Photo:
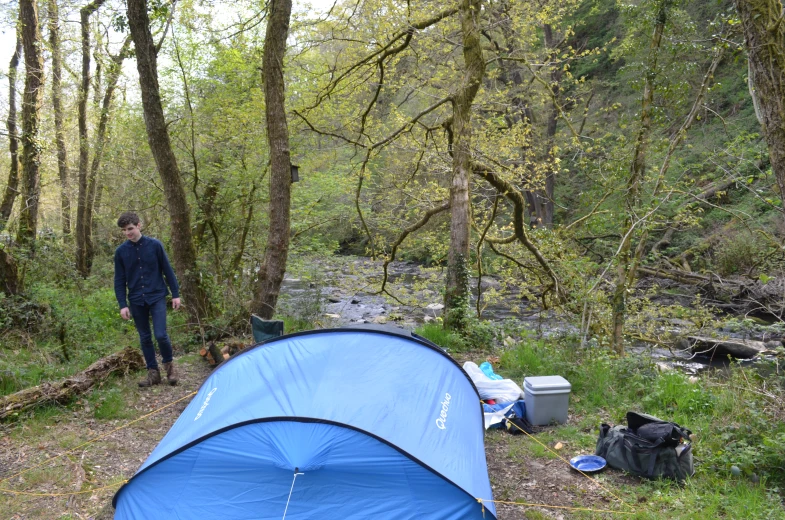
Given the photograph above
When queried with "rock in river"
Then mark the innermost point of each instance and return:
(734, 347)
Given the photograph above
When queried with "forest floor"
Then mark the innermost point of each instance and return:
(517, 474)
(527, 470)
(114, 456)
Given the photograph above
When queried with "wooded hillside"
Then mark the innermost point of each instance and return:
(557, 145)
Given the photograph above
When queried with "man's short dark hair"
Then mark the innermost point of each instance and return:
(129, 217)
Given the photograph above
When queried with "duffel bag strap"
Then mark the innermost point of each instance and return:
(631, 457)
(655, 452)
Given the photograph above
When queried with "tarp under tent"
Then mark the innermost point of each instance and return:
(327, 424)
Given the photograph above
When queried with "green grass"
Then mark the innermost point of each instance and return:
(293, 324)
(111, 404)
(74, 326)
(38, 422)
(736, 416)
(446, 339)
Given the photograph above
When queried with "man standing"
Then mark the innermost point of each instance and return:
(140, 265)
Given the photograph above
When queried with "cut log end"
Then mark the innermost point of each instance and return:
(215, 355)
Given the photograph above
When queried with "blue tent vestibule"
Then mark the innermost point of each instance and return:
(325, 424)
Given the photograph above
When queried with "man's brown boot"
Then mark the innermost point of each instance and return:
(171, 375)
(153, 378)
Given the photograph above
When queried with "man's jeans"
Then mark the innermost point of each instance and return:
(142, 314)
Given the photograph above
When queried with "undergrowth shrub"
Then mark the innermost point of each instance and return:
(477, 335)
(739, 253)
(20, 312)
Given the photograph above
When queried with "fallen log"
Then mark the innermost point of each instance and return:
(732, 294)
(679, 276)
(127, 360)
(723, 347)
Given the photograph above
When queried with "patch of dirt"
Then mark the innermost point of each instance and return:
(110, 459)
(517, 476)
(117, 454)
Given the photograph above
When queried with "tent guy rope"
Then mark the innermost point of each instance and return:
(588, 509)
(94, 439)
(290, 493)
(482, 500)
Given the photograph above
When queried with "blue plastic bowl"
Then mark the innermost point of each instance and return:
(588, 463)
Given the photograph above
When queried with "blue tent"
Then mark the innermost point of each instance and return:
(327, 424)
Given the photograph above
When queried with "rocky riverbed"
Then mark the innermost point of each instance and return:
(346, 290)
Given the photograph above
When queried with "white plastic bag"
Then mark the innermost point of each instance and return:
(492, 418)
(502, 391)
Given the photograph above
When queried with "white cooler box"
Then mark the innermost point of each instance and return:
(547, 398)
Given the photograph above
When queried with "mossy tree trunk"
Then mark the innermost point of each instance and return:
(763, 22)
(12, 187)
(82, 218)
(271, 273)
(184, 253)
(57, 106)
(31, 114)
(9, 274)
(456, 299)
(101, 137)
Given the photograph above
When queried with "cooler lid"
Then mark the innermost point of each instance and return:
(546, 383)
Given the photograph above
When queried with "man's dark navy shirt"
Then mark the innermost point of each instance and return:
(141, 267)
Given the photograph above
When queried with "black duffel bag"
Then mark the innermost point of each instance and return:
(647, 447)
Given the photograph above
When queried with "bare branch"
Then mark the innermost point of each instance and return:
(479, 252)
(384, 51)
(330, 134)
(411, 122)
(405, 233)
(519, 203)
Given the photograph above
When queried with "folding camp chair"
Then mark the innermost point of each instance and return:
(265, 329)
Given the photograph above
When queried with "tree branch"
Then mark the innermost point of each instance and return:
(405, 233)
(519, 203)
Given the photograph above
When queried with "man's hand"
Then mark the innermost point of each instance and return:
(175, 303)
(125, 313)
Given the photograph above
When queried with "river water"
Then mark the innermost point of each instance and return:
(343, 291)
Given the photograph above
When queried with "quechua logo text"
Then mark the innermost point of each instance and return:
(441, 421)
(204, 405)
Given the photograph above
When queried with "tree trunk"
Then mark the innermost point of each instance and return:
(57, 105)
(238, 256)
(12, 188)
(183, 250)
(9, 274)
(115, 69)
(546, 194)
(625, 270)
(31, 107)
(207, 204)
(764, 33)
(456, 298)
(273, 267)
(82, 219)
